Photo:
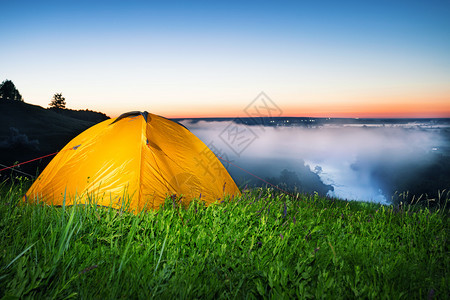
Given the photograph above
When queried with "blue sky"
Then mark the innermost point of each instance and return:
(327, 58)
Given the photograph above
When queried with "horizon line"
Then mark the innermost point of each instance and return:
(332, 115)
(310, 117)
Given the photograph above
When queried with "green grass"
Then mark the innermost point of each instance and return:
(262, 245)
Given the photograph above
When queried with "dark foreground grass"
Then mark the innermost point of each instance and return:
(264, 244)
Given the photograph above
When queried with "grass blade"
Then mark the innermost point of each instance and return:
(20, 255)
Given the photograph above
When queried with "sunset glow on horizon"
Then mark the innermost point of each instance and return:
(199, 59)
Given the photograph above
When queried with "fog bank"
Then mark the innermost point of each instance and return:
(349, 162)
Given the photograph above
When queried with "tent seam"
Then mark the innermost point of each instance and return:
(140, 164)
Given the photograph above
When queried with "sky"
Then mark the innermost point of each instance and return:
(213, 59)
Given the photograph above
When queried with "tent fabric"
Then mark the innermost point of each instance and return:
(139, 158)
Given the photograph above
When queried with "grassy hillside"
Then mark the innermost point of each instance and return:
(29, 131)
(263, 244)
(37, 122)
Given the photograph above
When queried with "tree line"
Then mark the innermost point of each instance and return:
(8, 91)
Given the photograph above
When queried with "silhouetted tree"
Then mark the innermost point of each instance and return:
(58, 101)
(8, 91)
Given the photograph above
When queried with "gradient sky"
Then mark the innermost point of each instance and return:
(207, 58)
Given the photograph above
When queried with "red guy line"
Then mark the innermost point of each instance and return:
(28, 161)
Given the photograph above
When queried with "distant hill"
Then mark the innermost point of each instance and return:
(28, 131)
(84, 115)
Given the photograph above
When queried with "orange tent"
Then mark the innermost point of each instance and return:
(139, 158)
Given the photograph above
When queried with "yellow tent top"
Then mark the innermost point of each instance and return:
(138, 157)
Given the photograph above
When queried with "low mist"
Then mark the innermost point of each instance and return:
(17, 140)
(348, 162)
